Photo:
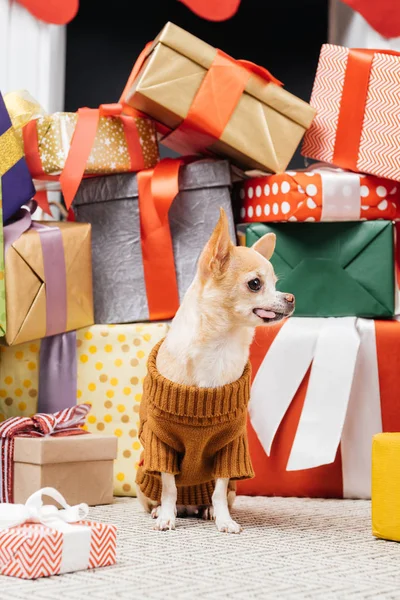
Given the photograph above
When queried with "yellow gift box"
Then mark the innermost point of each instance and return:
(111, 366)
(386, 486)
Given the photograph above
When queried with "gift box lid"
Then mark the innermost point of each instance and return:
(74, 448)
(201, 174)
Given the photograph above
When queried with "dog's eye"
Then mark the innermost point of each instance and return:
(254, 285)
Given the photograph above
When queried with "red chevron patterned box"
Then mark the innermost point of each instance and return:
(357, 97)
(31, 550)
(322, 193)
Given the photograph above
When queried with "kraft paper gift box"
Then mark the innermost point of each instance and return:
(68, 146)
(319, 193)
(356, 96)
(138, 272)
(81, 467)
(321, 389)
(16, 183)
(48, 281)
(33, 545)
(210, 101)
(109, 363)
(386, 486)
(335, 269)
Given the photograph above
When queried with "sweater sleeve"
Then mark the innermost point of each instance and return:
(158, 456)
(233, 460)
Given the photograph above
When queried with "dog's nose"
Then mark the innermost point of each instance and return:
(289, 298)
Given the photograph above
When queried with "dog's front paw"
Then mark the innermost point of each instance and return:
(165, 521)
(228, 526)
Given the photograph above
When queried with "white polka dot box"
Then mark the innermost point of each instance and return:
(322, 193)
(111, 366)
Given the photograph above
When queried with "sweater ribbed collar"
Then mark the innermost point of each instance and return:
(192, 401)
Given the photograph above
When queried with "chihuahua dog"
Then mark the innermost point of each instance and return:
(209, 340)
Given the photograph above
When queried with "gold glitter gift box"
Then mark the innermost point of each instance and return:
(111, 366)
(110, 153)
(121, 143)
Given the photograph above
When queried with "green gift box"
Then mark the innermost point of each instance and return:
(334, 269)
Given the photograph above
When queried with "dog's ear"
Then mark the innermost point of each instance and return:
(216, 254)
(265, 245)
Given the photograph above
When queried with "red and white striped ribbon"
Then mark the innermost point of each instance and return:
(63, 423)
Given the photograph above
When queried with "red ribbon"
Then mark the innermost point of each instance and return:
(352, 106)
(81, 146)
(158, 188)
(64, 423)
(213, 104)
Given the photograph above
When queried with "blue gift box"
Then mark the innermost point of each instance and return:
(17, 184)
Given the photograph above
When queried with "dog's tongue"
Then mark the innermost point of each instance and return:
(265, 314)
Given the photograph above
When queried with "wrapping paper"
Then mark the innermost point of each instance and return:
(80, 468)
(16, 182)
(321, 389)
(111, 206)
(26, 291)
(2, 278)
(36, 542)
(385, 486)
(335, 269)
(321, 193)
(356, 97)
(262, 130)
(110, 150)
(111, 366)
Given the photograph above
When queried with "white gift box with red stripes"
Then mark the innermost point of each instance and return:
(39, 541)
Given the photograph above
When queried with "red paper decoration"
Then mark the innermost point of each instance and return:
(213, 10)
(59, 12)
(383, 16)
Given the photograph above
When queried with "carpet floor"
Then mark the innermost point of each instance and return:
(291, 548)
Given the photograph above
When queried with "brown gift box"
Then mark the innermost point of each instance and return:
(79, 467)
(266, 126)
(26, 286)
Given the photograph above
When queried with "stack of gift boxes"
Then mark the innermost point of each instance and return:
(85, 301)
(326, 381)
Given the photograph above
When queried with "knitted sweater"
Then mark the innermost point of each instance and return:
(197, 434)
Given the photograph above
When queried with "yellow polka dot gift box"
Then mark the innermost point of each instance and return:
(385, 493)
(111, 363)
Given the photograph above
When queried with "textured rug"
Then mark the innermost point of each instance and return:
(290, 548)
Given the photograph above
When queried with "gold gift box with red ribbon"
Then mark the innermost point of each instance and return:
(204, 100)
(356, 95)
(70, 146)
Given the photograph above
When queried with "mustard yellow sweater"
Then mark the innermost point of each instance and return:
(197, 434)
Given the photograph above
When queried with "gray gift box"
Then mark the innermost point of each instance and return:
(110, 204)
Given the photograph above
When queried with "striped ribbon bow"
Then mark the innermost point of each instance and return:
(63, 423)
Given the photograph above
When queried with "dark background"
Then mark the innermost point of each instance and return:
(283, 35)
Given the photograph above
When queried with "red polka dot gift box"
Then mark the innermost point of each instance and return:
(320, 193)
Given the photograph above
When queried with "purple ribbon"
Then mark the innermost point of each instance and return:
(55, 275)
(58, 370)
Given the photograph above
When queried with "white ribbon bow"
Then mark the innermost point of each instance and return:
(35, 511)
(342, 404)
